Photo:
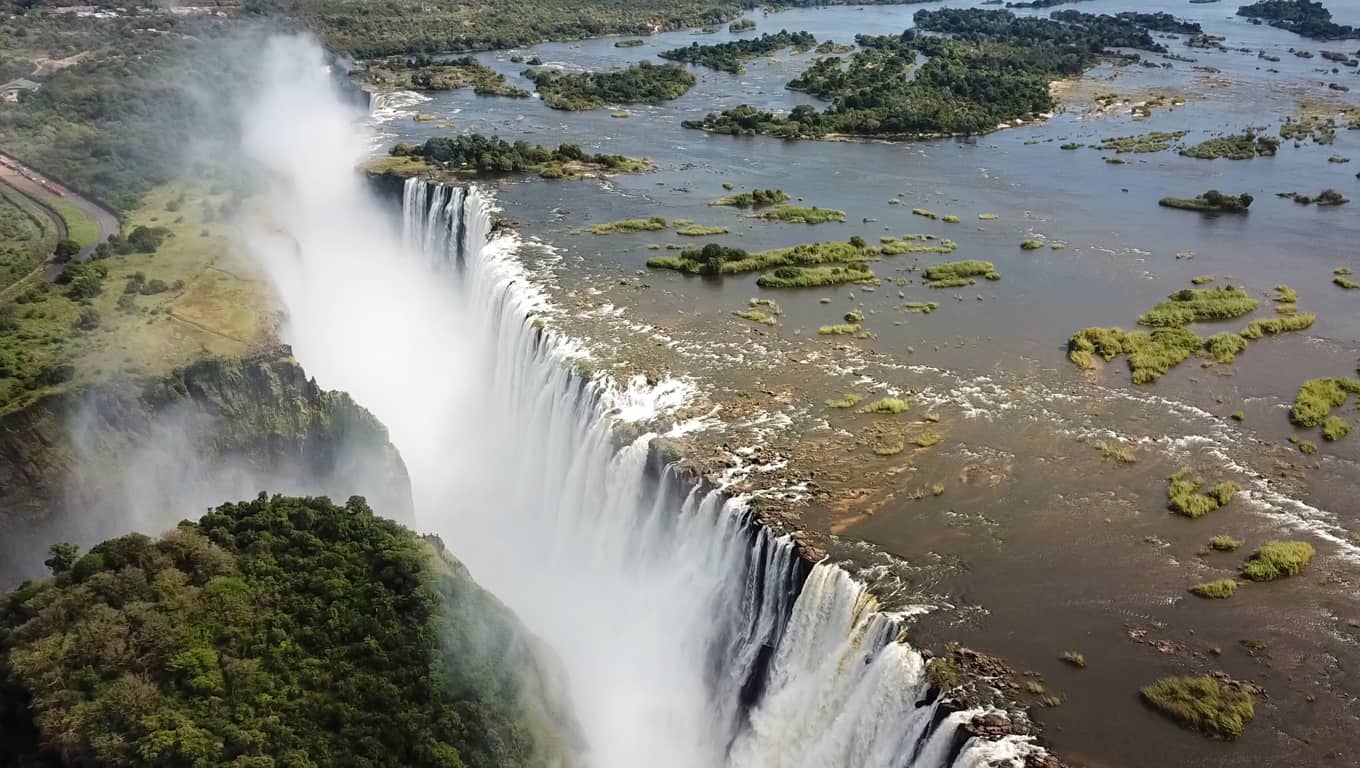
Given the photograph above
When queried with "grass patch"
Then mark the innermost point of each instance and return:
(1123, 454)
(1225, 347)
(949, 218)
(698, 230)
(1202, 704)
(1345, 282)
(80, 226)
(924, 307)
(927, 439)
(1155, 141)
(798, 214)
(911, 243)
(1202, 279)
(1183, 494)
(1224, 543)
(850, 400)
(1238, 416)
(840, 329)
(1334, 428)
(987, 216)
(715, 259)
(892, 405)
(1221, 589)
(923, 212)
(1150, 355)
(1317, 397)
(1277, 325)
(756, 197)
(956, 273)
(652, 224)
(1031, 245)
(756, 316)
(1307, 447)
(1278, 560)
(1285, 295)
(1074, 658)
(1192, 305)
(813, 277)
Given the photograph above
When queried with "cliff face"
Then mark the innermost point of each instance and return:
(135, 455)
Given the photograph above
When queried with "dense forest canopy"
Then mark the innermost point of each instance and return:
(281, 631)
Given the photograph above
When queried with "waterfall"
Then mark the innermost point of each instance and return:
(693, 636)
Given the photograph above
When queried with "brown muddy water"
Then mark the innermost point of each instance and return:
(1036, 542)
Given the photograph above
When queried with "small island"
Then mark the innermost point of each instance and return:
(730, 57)
(422, 73)
(473, 154)
(1212, 201)
(1307, 18)
(1239, 146)
(993, 70)
(642, 83)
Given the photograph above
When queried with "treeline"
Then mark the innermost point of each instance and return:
(1162, 22)
(995, 70)
(493, 154)
(1308, 18)
(642, 83)
(281, 631)
(422, 73)
(732, 56)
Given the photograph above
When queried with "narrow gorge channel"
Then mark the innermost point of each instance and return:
(690, 636)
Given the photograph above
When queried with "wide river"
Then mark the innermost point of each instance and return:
(1044, 545)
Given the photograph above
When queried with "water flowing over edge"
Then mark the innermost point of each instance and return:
(795, 662)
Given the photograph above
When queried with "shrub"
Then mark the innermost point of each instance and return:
(1185, 499)
(1317, 397)
(1073, 658)
(1224, 543)
(1276, 325)
(1199, 305)
(886, 405)
(1202, 704)
(1278, 560)
(850, 400)
(952, 271)
(1221, 589)
(1335, 428)
(1225, 347)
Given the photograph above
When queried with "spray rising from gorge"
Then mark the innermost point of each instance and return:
(691, 636)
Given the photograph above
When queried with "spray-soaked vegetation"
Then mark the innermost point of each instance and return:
(278, 631)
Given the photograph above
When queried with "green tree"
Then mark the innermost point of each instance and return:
(63, 556)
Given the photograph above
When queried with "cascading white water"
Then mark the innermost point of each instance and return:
(692, 637)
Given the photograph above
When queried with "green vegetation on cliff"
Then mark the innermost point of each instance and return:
(28, 236)
(642, 83)
(282, 631)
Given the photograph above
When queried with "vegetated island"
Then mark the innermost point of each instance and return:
(642, 83)
(800, 266)
(1324, 198)
(993, 70)
(1303, 17)
(1171, 342)
(476, 155)
(422, 73)
(732, 56)
(1240, 146)
(288, 631)
(1212, 201)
